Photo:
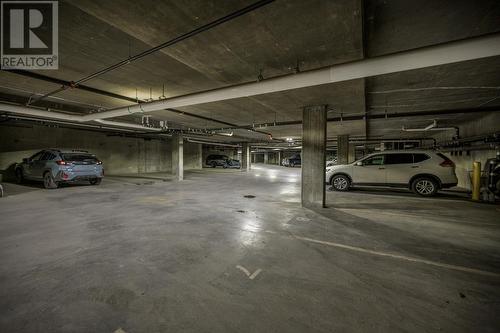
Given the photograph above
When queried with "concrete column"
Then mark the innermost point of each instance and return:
(352, 153)
(178, 156)
(245, 156)
(266, 157)
(313, 156)
(342, 149)
(279, 158)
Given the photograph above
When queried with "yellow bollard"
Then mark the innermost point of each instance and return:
(476, 180)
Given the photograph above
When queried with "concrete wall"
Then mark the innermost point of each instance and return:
(120, 155)
(192, 156)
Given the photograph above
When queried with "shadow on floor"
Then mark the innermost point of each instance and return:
(456, 194)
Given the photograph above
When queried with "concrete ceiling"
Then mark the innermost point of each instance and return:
(271, 41)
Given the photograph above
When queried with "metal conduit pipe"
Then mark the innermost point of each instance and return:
(127, 125)
(433, 127)
(157, 48)
(212, 143)
(66, 117)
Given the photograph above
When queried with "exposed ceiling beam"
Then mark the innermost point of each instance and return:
(458, 51)
(370, 116)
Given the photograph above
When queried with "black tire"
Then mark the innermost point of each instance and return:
(214, 164)
(340, 183)
(224, 166)
(49, 182)
(19, 176)
(292, 164)
(425, 186)
(95, 181)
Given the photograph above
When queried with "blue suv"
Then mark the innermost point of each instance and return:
(56, 166)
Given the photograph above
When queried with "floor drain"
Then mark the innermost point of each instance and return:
(249, 196)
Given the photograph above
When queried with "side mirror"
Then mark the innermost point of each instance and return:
(26, 160)
(359, 163)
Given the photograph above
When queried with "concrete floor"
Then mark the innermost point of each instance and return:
(154, 255)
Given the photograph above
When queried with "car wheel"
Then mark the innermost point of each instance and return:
(95, 181)
(341, 183)
(19, 175)
(49, 182)
(214, 164)
(224, 166)
(292, 164)
(424, 186)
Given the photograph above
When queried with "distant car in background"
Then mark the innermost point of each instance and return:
(422, 171)
(56, 166)
(292, 161)
(330, 163)
(232, 164)
(216, 160)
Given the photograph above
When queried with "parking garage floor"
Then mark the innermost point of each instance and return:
(227, 251)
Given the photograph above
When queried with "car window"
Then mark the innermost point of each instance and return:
(417, 158)
(374, 160)
(37, 156)
(403, 158)
(47, 156)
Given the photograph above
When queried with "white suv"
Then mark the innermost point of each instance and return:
(423, 171)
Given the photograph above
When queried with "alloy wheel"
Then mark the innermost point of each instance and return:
(424, 187)
(340, 183)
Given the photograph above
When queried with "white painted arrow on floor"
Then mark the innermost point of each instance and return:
(247, 273)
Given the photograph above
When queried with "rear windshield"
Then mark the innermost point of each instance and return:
(89, 158)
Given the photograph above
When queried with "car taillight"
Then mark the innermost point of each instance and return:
(62, 163)
(447, 163)
(98, 162)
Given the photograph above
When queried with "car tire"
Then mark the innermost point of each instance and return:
(213, 164)
(341, 183)
(224, 166)
(19, 176)
(424, 186)
(95, 181)
(49, 182)
(292, 164)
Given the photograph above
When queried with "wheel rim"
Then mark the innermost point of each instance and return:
(340, 183)
(424, 187)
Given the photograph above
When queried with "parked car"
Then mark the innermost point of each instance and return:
(331, 163)
(56, 166)
(216, 160)
(424, 172)
(232, 164)
(292, 161)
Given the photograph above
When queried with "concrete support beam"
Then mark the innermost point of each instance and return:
(352, 153)
(313, 156)
(266, 158)
(342, 149)
(245, 156)
(279, 158)
(178, 156)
